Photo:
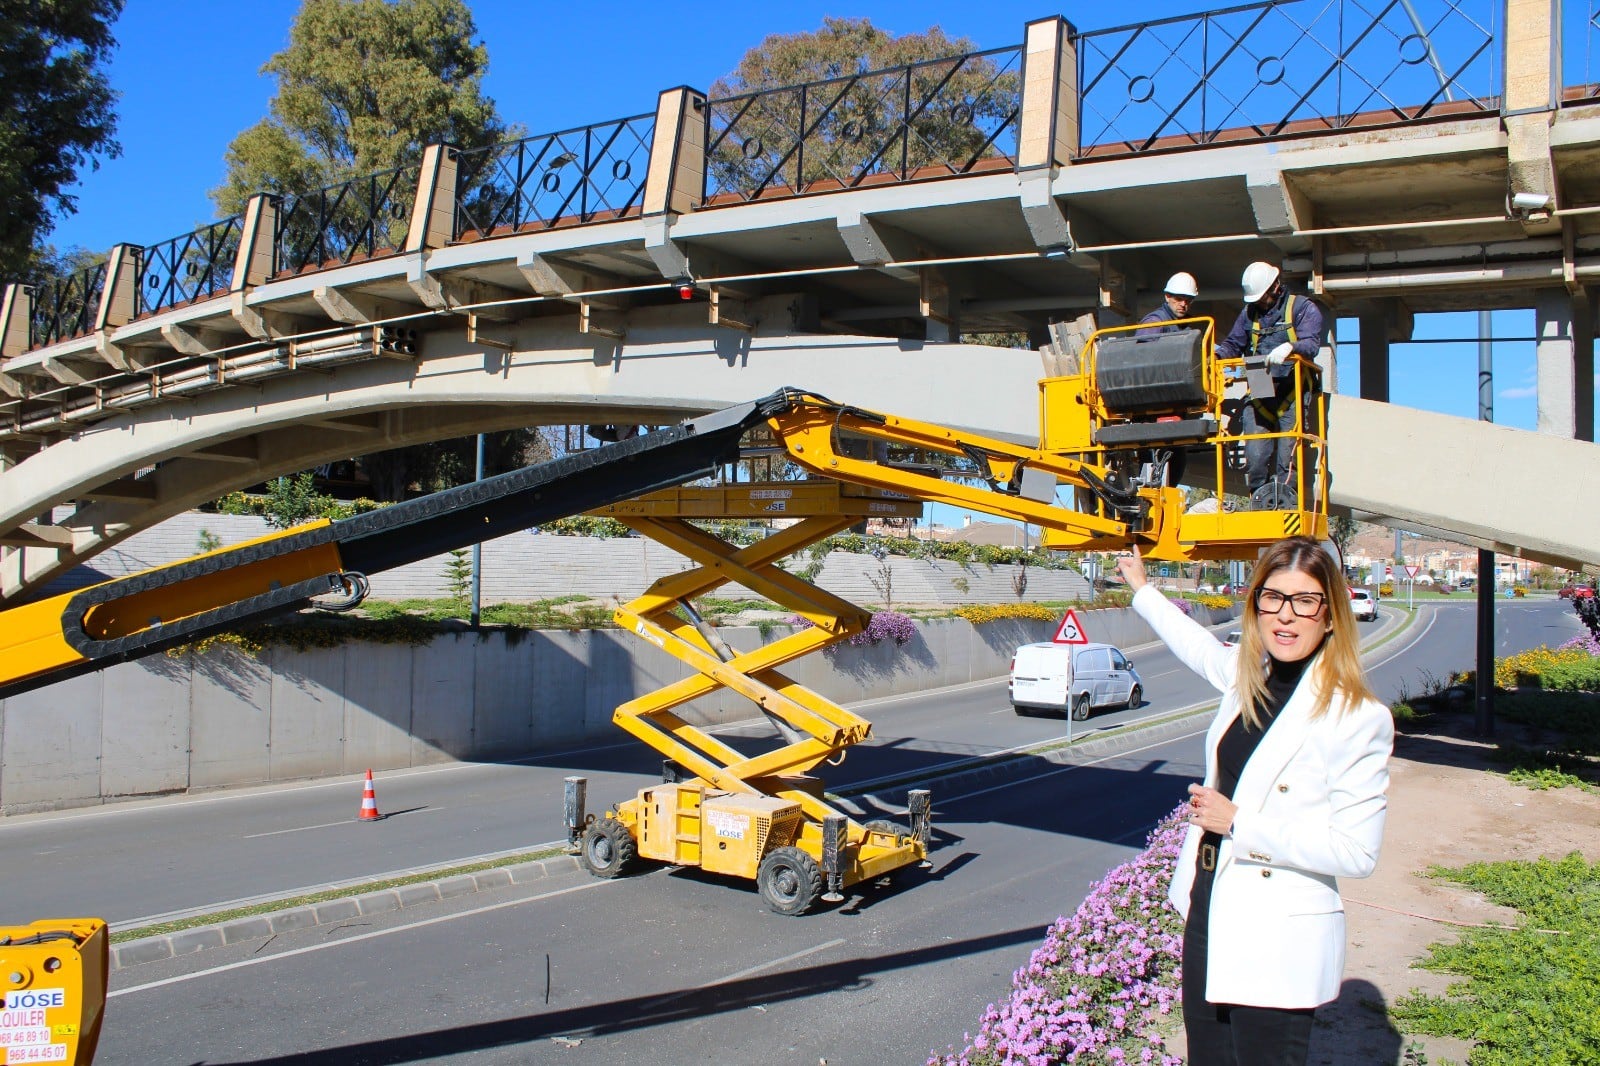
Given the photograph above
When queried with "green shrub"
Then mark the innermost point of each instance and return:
(1531, 993)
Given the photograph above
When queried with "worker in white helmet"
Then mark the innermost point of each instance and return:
(1179, 296)
(1275, 326)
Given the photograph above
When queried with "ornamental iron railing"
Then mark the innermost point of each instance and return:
(366, 216)
(1580, 52)
(577, 175)
(1288, 66)
(190, 266)
(930, 119)
(64, 306)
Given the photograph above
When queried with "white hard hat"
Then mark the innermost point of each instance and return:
(1258, 278)
(1182, 284)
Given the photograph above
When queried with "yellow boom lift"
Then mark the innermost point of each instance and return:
(1115, 432)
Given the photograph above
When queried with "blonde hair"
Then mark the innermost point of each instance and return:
(1336, 668)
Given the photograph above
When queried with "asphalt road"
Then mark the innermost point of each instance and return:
(135, 861)
(668, 966)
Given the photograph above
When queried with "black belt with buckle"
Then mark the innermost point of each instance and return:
(1208, 856)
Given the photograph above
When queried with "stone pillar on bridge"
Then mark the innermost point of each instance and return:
(433, 212)
(119, 295)
(676, 180)
(15, 313)
(1564, 324)
(1048, 132)
(253, 263)
(1529, 106)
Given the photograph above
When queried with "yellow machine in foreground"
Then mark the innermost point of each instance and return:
(1142, 407)
(54, 978)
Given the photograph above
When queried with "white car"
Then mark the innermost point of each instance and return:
(1073, 679)
(1363, 606)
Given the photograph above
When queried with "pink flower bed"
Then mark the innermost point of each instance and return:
(1102, 982)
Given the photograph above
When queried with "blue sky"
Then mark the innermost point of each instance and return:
(189, 77)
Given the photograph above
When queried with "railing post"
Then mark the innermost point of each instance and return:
(16, 316)
(1049, 133)
(254, 261)
(119, 294)
(433, 212)
(1532, 97)
(676, 180)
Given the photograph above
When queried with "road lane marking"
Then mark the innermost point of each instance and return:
(944, 800)
(329, 825)
(661, 1001)
(1433, 616)
(358, 938)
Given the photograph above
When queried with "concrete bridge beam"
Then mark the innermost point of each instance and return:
(667, 370)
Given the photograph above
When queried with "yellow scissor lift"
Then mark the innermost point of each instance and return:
(764, 816)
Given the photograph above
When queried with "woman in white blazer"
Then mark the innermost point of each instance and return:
(1296, 771)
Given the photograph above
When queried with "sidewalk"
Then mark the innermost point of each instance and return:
(1446, 807)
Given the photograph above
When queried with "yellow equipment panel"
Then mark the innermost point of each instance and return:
(53, 974)
(669, 823)
(738, 829)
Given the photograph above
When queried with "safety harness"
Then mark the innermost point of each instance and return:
(1272, 412)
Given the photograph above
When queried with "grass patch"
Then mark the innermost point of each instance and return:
(119, 936)
(1531, 993)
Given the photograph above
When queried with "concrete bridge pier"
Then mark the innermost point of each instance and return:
(1564, 324)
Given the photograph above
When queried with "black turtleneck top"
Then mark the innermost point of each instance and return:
(1239, 742)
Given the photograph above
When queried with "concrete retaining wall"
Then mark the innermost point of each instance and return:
(223, 718)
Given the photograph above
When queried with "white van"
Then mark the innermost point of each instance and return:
(1056, 677)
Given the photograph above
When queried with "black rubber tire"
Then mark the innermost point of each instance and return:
(1135, 698)
(789, 880)
(608, 849)
(1082, 708)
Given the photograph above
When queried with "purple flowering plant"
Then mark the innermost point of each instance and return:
(885, 625)
(1098, 988)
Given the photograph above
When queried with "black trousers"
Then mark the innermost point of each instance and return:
(1224, 1034)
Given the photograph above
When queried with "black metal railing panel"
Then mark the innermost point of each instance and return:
(190, 266)
(1580, 50)
(1287, 66)
(577, 175)
(366, 216)
(64, 306)
(930, 119)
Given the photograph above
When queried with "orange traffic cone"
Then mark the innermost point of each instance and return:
(369, 803)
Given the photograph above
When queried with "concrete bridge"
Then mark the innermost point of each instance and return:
(846, 236)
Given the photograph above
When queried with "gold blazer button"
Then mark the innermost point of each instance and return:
(1283, 788)
(1266, 873)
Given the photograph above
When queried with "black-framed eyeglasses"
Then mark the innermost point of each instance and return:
(1303, 604)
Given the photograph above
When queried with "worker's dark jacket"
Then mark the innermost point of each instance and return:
(1259, 335)
(1159, 316)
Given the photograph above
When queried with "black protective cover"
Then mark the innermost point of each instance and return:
(1158, 373)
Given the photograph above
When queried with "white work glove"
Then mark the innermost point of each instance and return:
(1279, 355)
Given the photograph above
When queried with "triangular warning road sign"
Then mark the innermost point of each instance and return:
(1070, 631)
